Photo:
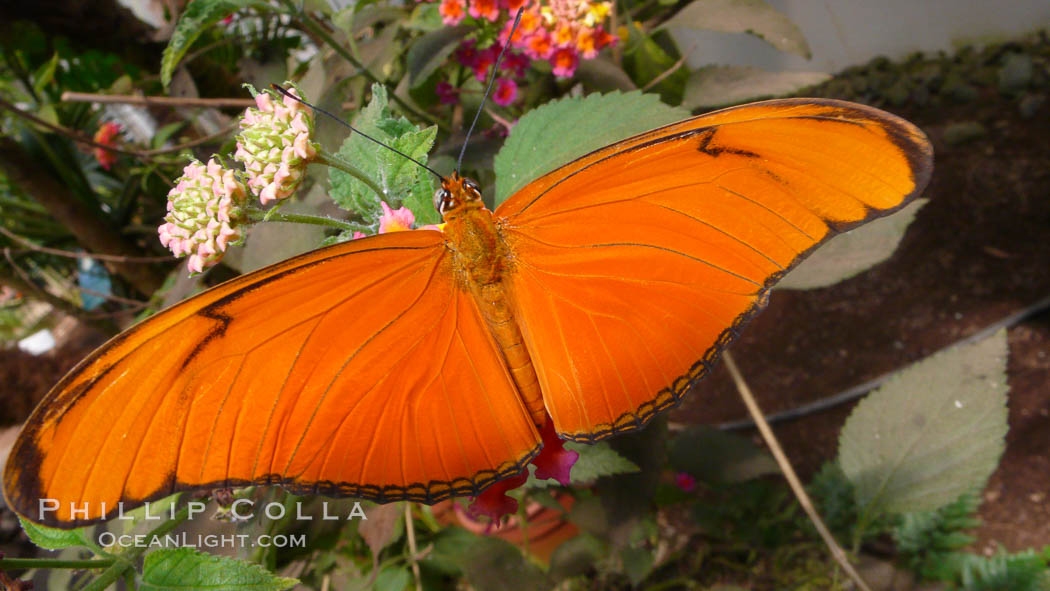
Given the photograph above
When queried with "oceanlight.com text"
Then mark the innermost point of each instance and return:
(186, 540)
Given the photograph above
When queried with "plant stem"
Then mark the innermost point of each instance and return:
(260, 215)
(125, 561)
(26, 563)
(410, 530)
(789, 473)
(338, 163)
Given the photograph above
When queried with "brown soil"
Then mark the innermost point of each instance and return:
(976, 253)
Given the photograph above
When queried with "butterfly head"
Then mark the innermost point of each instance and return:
(457, 193)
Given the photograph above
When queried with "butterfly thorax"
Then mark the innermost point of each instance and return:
(480, 262)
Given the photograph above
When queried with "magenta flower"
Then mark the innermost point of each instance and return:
(467, 53)
(505, 93)
(494, 502)
(446, 93)
(553, 461)
(685, 481)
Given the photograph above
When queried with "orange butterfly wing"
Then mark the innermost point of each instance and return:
(635, 265)
(364, 363)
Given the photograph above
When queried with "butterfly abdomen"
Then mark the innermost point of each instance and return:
(480, 262)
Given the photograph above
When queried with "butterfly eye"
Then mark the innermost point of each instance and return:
(441, 200)
(469, 184)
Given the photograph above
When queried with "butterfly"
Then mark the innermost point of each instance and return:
(419, 365)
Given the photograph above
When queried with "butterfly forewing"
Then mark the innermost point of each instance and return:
(360, 369)
(635, 265)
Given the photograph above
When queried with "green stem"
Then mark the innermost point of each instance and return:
(127, 559)
(310, 23)
(338, 163)
(266, 215)
(26, 563)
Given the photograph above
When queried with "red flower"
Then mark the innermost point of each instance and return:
(488, 9)
(467, 53)
(553, 461)
(565, 61)
(104, 136)
(446, 93)
(485, 59)
(685, 481)
(505, 93)
(515, 63)
(451, 11)
(538, 45)
(494, 502)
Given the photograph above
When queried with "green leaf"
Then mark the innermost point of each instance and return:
(576, 556)
(45, 74)
(717, 86)
(431, 50)
(198, 16)
(488, 563)
(716, 456)
(756, 17)
(854, 252)
(51, 538)
(393, 578)
(637, 563)
(654, 60)
(933, 432)
(171, 569)
(596, 460)
(403, 181)
(538, 145)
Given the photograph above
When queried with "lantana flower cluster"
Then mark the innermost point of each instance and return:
(558, 31)
(205, 210)
(207, 207)
(275, 145)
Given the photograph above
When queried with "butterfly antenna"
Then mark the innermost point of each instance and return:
(355, 130)
(488, 89)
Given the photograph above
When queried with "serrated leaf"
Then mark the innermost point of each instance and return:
(537, 143)
(717, 86)
(403, 182)
(596, 460)
(198, 16)
(716, 456)
(431, 50)
(854, 252)
(933, 432)
(172, 569)
(756, 17)
(51, 538)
